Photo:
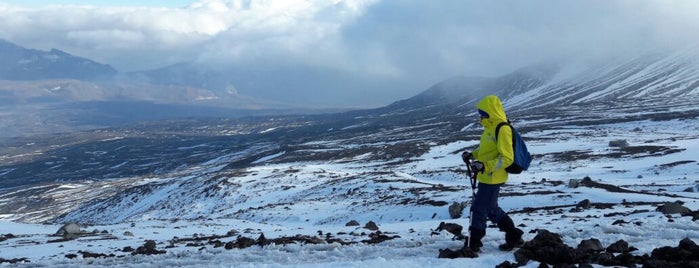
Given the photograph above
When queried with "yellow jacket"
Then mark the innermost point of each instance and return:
(495, 155)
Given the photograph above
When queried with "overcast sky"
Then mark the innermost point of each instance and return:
(365, 52)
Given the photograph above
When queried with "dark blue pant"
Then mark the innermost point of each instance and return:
(485, 206)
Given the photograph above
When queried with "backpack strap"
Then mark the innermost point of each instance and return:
(497, 129)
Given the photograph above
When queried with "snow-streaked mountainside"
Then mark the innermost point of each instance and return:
(199, 188)
(30, 64)
(660, 77)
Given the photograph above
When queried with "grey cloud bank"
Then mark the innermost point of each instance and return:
(354, 52)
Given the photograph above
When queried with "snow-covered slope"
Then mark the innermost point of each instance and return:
(407, 197)
(193, 186)
(657, 76)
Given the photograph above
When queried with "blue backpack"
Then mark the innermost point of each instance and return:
(522, 157)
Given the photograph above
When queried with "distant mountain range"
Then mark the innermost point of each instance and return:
(19, 63)
(57, 83)
(658, 78)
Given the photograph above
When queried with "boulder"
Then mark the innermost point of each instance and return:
(673, 208)
(69, 230)
(371, 226)
(455, 210)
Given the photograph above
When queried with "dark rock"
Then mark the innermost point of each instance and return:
(673, 208)
(7, 236)
(449, 254)
(148, 248)
(262, 240)
(149, 245)
(464, 252)
(241, 242)
(619, 222)
(590, 245)
(548, 248)
(506, 264)
(584, 204)
(16, 260)
(455, 210)
(619, 143)
(452, 228)
(352, 223)
(573, 183)
(87, 254)
(620, 246)
(371, 226)
(378, 237)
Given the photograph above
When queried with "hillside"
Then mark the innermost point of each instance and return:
(30, 64)
(607, 162)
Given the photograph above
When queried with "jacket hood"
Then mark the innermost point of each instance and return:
(491, 104)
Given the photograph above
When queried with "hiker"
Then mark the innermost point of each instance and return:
(490, 160)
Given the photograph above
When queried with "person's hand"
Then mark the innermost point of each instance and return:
(466, 156)
(478, 167)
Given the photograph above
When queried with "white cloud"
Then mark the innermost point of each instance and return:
(110, 34)
(411, 42)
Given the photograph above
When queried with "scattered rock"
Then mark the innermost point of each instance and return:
(507, 264)
(673, 208)
(465, 252)
(127, 233)
(620, 246)
(13, 261)
(352, 223)
(378, 237)
(69, 231)
(148, 248)
(371, 226)
(585, 204)
(7, 236)
(573, 183)
(619, 143)
(452, 228)
(590, 245)
(548, 249)
(241, 242)
(686, 254)
(455, 210)
(87, 254)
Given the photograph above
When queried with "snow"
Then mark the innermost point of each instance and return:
(304, 202)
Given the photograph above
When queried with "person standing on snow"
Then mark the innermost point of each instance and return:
(491, 159)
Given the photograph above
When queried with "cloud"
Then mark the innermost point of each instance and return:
(204, 30)
(396, 47)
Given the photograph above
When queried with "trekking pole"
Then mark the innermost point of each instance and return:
(472, 179)
(473, 199)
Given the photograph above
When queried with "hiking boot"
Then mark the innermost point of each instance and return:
(469, 253)
(513, 235)
(473, 242)
(508, 246)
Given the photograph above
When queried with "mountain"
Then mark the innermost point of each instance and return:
(652, 77)
(29, 64)
(609, 160)
(45, 92)
(184, 74)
